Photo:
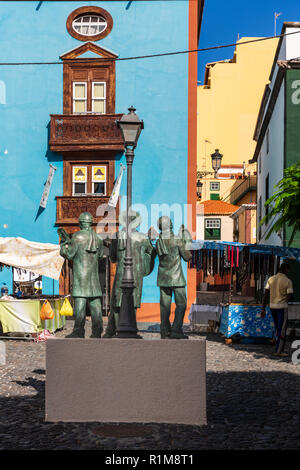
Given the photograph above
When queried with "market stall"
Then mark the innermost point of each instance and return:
(24, 316)
(246, 321)
(240, 262)
(21, 313)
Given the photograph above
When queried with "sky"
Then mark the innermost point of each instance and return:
(223, 21)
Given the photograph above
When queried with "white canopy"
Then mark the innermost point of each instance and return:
(39, 258)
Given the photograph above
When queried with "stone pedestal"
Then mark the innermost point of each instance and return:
(126, 380)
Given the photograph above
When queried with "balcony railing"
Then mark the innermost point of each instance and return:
(69, 208)
(241, 188)
(74, 132)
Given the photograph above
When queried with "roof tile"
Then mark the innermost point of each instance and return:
(214, 207)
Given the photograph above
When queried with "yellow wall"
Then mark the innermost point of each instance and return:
(243, 227)
(228, 107)
(225, 187)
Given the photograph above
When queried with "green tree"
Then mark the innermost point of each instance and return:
(285, 203)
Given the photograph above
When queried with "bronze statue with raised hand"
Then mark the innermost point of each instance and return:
(143, 254)
(170, 279)
(85, 249)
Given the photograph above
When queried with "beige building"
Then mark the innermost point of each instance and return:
(220, 187)
(214, 222)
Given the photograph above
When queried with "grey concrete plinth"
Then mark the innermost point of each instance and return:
(126, 380)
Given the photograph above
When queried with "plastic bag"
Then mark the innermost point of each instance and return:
(46, 311)
(66, 309)
(43, 336)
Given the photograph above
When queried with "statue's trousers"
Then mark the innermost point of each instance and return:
(165, 309)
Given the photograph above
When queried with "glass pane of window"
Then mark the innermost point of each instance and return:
(79, 174)
(212, 223)
(214, 186)
(99, 174)
(212, 234)
(89, 25)
(98, 106)
(79, 106)
(79, 90)
(99, 90)
(79, 188)
(93, 29)
(99, 188)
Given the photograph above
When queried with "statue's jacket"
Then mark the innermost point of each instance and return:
(171, 250)
(84, 250)
(143, 254)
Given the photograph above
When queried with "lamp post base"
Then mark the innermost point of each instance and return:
(127, 325)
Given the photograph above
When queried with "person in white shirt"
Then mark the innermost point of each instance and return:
(279, 290)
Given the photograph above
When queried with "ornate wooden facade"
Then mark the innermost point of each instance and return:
(84, 133)
(86, 139)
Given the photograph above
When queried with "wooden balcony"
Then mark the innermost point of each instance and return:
(77, 132)
(241, 188)
(69, 208)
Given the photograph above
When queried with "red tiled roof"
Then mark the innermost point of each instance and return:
(214, 207)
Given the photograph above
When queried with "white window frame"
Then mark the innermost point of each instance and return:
(74, 182)
(213, 183)
(95, 182)
(101, 21)
(98, 99)
(80, 99)
(216, 223)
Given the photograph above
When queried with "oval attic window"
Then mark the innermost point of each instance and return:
(89, 23)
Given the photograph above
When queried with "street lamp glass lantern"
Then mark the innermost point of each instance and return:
(216, 159)
(131, 127)
(199, 188)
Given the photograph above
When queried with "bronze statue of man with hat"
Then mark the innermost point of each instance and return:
(143, 254)
(170, 279)
(84, 249)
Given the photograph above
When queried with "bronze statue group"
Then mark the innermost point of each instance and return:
(85, 248)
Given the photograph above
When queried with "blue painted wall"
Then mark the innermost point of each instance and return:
(157, 87)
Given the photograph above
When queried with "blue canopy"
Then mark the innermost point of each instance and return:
(282, 251)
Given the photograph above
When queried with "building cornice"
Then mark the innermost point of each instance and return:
(286, 24)
(242, 209)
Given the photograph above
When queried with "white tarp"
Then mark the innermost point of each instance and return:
(39, 258)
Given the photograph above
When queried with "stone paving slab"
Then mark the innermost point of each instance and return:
(253, 402)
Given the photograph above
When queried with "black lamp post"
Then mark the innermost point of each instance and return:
(216, 159)
(199, 189)
(131, 127)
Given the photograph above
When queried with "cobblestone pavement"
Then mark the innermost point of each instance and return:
(253, 402)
